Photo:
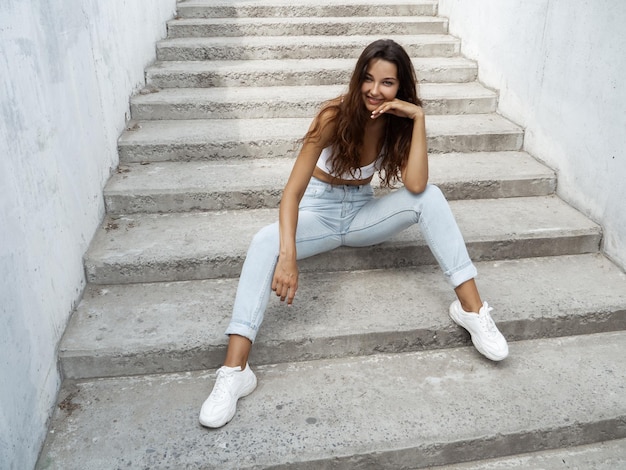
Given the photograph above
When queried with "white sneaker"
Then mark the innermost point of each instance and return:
(231, 384)
(485, 334)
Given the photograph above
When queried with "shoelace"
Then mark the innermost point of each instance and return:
(486, 322)
(222, 384)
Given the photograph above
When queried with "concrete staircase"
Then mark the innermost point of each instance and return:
(366, 371)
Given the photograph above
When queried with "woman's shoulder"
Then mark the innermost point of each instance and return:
(327, 116)
(330, 109)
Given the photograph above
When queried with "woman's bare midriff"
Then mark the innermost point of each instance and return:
(326, 178)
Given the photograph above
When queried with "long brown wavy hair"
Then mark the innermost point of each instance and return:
(350, 115)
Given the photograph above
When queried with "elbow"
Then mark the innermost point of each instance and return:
(416, 187)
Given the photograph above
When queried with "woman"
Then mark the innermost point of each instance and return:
(328, 202)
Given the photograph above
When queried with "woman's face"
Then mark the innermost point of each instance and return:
(380, 84)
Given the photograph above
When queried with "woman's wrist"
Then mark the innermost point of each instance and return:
(419, 114)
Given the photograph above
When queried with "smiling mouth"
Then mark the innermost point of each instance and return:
(373, 100)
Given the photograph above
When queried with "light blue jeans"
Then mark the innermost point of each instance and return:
(331, 216)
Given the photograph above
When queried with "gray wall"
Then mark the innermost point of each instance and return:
(560, 66)
(67, 69)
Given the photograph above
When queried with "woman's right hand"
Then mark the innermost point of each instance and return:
(285, 282)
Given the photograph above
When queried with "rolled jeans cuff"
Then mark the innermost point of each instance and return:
(462, 275)
(240, 329)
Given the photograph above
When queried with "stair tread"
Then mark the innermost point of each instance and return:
(335, 41)
(311, 47)
(285, 101)
(217, 185)
(606, 455)
(297, 72)
(220, 131)
(308, 20)
(160, 247)
(127, 329)
(309, 25)
(203, 233)
(245, 3)
(272, 173)
(300, 65)
(388, 410)
(178, 96)
(228, 9)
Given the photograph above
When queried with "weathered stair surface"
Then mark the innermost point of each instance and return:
(200, 245)
(119, 329)
(310, 26)
(292, 72)
(385, 411)
(297, 102)
(287, 8)
(366, 370)
(298, 47)
(184, 186)
(210, 139)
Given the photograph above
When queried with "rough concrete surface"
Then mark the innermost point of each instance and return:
(312, 26)
(299, 47)
(224, 185)
(221, 73)
(609, 455)
(172, 327)
(286, 8)
(385, 411)
(208, 139)
(200, 245)
(298, 102)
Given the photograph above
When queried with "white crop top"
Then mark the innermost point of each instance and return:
(361, 173)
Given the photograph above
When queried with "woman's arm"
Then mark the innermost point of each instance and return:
(415, 172)
(285, 281)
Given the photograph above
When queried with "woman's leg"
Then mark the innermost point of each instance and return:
(254, 288)
(386, 216)
(235, 379)
(468, 295)
(319, 217)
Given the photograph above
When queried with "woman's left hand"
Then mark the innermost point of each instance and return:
(399, 108)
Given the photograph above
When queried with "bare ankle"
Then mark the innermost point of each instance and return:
(471, 308)
(238, 351)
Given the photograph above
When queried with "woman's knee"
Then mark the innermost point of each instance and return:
(432, 195)
(433, 191)
(266, 239)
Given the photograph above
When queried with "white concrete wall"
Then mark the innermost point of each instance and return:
(67, 69)
(560, 66)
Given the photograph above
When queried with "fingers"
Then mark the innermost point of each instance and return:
(395, 107)
(286, 290)
(292, 293)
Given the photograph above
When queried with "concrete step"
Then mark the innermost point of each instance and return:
(605, 455)
(209, 139)
(307, 26)
(203, 245)
(219, 185)
(285, 8)
(292, 102)
(299, 47)
(173, 327)
(298, 72)
(385, 411)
